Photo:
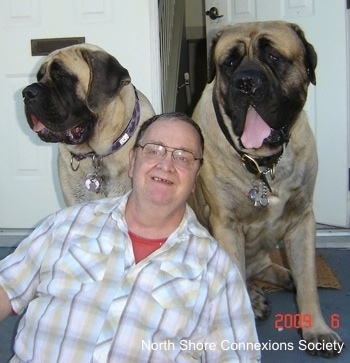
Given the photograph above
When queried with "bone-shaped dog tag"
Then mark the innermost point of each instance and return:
(258, 194)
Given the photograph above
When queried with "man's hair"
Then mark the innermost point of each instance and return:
(170, 116)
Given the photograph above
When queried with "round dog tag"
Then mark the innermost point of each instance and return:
(93, 183)
(253, 193)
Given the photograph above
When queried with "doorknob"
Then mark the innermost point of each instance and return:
(213, 13)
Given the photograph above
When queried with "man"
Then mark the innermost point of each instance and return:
(134, 278)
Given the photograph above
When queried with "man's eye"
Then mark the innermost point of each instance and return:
(183, 157)
(154, 150)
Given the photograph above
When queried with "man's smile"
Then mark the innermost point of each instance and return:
(157, 179)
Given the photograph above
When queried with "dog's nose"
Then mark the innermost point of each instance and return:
(30, 92)
(247, 82)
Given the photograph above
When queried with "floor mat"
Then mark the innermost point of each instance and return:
(326, 277)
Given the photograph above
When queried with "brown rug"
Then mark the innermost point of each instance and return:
(326, 277)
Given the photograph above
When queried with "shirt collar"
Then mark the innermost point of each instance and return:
(188, 225)
(116, 205)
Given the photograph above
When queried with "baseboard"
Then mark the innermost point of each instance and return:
(325, 238)
(333, 238)
(12, 237)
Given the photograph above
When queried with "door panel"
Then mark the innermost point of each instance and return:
(326, 26)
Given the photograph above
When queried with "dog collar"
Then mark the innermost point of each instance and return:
(121, 140)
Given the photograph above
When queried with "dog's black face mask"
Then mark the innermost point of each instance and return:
(54, 111)
(261, 111)
(262, 91)
(59, 108)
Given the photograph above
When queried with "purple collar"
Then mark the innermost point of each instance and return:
(122, 139)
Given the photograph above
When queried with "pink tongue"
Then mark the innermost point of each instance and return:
(256, 130)
(37, 125)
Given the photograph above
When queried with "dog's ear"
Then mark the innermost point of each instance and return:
(107, 77)
(211, 62)
(310, 57)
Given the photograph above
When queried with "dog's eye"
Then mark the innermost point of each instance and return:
(39, 76)
(229, 62)
(274, 57)
(269, 52)
(41, 72)
(233, 59)
(58, 74)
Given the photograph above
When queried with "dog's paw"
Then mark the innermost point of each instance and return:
(327, 345)
(277, 275)
(260, 304)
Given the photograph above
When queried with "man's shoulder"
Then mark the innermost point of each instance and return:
(201, 232)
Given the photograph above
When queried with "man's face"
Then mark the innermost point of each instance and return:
(165, 182)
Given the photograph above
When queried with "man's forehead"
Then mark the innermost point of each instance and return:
(168, 127)
(165, 131)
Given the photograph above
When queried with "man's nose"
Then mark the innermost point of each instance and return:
(167, 161)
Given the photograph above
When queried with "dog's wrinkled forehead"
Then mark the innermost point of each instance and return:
(66, 63)
(248, 39)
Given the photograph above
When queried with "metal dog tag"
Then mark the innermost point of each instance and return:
(93, 183)
(258, 194)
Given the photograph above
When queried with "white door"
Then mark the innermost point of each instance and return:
(325, 24)
(29, 187)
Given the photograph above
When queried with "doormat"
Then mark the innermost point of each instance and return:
(326, 277)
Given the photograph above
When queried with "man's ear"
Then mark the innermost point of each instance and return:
(195, 180)
(132, 156)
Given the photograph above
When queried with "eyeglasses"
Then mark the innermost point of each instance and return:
(156, 152)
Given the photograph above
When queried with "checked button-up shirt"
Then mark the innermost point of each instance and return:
(87, 300)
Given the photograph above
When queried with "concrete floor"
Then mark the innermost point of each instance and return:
(332, 302)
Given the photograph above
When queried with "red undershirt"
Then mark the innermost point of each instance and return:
(143, 247)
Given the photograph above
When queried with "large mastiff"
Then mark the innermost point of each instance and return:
(260, 163)
(85, 101)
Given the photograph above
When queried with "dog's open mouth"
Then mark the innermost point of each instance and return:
(257, 132)
(74, 135)
(37, 125)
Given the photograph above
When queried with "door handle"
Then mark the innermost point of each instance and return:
(213, 13)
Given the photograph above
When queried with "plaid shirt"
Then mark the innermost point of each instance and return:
(87, 300)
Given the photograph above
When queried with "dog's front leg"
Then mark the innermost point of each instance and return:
(300, 248)
(230, 238)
